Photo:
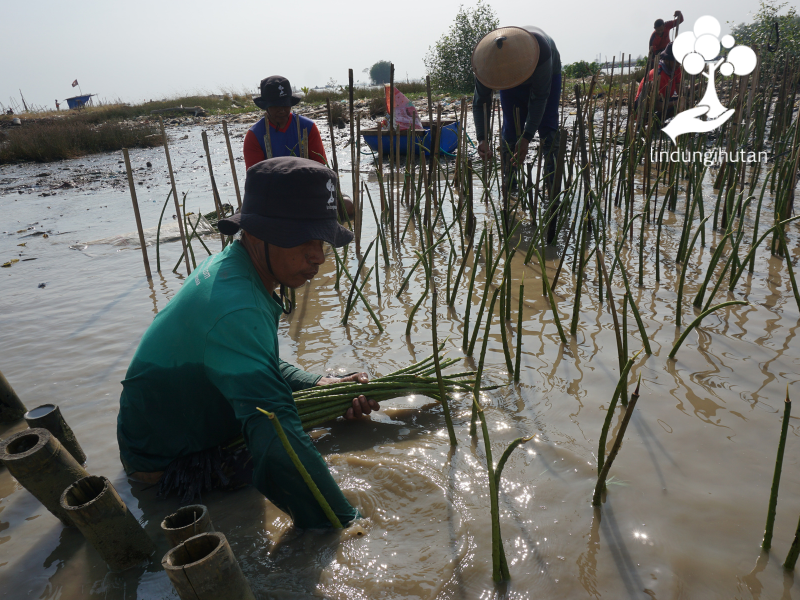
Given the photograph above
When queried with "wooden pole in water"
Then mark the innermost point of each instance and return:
(233, 164)
(132, 186)
(217, 201)
(175, 195)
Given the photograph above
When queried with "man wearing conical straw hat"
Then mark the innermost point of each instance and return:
(523, 63)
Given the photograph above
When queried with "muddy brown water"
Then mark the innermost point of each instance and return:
(686, 506)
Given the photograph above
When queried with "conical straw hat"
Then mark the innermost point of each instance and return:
(505, 58)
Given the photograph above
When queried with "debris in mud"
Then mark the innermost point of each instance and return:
(9, 263)
(42, 285)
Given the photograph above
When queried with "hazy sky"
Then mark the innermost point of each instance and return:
(151, 49)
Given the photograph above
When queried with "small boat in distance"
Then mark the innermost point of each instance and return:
(447, 143)
(80, 101)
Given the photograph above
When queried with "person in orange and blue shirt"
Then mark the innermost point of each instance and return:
(669, 83)
(277, 100)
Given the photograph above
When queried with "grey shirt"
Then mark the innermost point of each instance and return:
(539, 83)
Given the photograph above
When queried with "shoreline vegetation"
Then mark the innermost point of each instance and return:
(59, 135)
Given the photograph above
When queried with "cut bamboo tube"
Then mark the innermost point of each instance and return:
(106, 522)
(233, 164)
(48, 416)
(175, 194)
(11, 407)
(132, 187)
(41, 465)
(205, 568)
(186, 522)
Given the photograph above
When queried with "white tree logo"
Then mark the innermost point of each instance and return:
(694, 49)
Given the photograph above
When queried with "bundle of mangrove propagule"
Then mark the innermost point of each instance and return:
(322, 403)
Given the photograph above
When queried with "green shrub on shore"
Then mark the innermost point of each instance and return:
(69, 138)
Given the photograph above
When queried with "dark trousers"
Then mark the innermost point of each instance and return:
(516, 99)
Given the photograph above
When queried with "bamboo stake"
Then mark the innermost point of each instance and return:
(233, 164)
(217, 201)
(132, 186)
(175, 195)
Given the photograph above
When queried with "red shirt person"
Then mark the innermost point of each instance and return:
(669, 80)
(660, 36)
(286, 129)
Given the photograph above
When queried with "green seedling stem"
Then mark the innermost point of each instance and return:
(776, 477)
(442, 391)
(479, 373)
(158, 234)
(551, 297)
(573, 330)
(601, 479)
(451, 300)
(468, 300)
(518, 355)
(789, 263)
(424, 293)
(381, 232)
(684, 268)
(354, 281)
(622, 383)
(323, 503)
(499, 565)
(698, 300)
(188, 243)
(503, 327)
(489, 275)
(504, 458)
(697, 322)
(751, 254)
(360, 295)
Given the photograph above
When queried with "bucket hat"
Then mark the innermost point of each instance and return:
(287, 202)
(505, 58)
(275, 91)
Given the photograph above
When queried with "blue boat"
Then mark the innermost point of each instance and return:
(447, 143)
(79, 101)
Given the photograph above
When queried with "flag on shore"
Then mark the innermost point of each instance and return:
(74, 83)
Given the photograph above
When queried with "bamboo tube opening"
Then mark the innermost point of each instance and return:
(84, 491)
(40, 411)
(185, 516)
(25, 443)
(194, 550)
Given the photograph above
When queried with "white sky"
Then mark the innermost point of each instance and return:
(146, 49)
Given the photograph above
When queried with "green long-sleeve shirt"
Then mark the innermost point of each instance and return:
(205, 364)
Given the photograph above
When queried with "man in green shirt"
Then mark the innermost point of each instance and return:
(210, 359)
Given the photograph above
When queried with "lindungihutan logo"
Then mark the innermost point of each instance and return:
(699, 51)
